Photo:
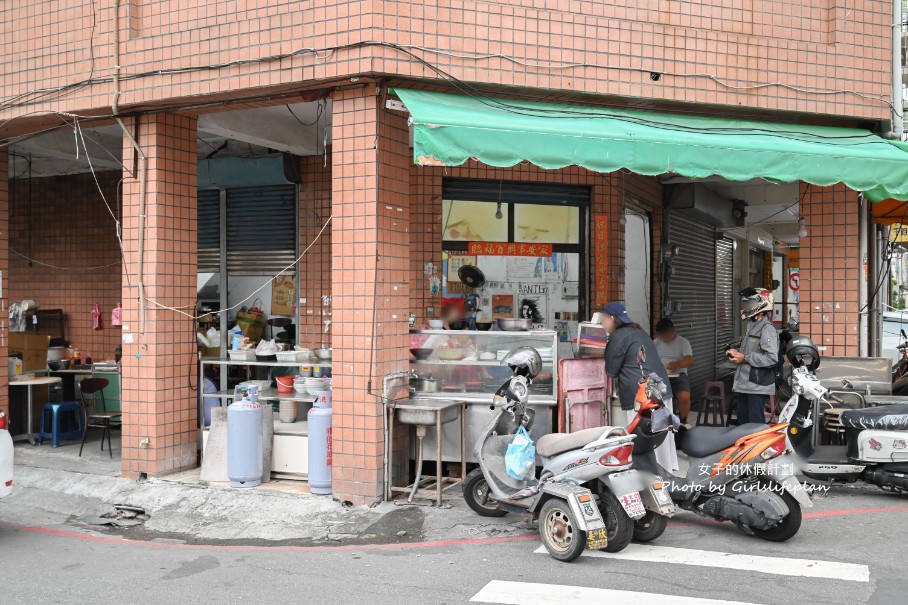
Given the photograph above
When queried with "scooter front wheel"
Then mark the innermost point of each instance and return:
(559, 531)
(476, 494)
(650, 526)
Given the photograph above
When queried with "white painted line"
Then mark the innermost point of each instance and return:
(527, 593)
(806, 568)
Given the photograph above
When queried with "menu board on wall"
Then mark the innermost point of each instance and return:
(600, 259)
(283, 295)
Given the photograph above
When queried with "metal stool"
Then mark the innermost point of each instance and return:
(713, 403)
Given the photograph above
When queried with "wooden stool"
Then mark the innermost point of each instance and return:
(713, 403)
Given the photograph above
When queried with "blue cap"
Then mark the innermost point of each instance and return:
(617, 310)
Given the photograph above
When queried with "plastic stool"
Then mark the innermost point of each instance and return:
(713, 403)
(65, 422)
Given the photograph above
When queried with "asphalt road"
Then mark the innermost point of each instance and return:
(855, 544)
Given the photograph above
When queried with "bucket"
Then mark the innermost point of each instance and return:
(284, 383)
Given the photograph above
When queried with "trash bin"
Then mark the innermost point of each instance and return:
(244, 443)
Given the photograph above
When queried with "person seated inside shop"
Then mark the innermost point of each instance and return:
(677, 356)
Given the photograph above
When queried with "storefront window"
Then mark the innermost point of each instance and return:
(546, 224)
(466, 221)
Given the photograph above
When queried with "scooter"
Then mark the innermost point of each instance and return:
(584, 476)
(743, 474)
(876, 449)
(900, 369)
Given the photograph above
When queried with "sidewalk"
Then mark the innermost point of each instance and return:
(55, 486)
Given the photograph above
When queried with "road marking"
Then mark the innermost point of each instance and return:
(526, 593)
(807, 568)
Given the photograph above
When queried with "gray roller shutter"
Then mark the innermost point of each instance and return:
(261, 229)
(692, 288)
(725, 302)
(209, 233)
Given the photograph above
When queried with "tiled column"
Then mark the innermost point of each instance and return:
(830, 261)
(370, 245)
(4, 277)
(160, 372)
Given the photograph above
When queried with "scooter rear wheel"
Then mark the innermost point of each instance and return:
(788, 526)
(476, 494)
(559, 531)
(619, 526)
(649, 527)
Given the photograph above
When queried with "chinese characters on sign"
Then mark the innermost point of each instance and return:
(508, 249)
(600, 259)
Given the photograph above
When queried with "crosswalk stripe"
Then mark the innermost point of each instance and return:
(502, 592)
(807, 568)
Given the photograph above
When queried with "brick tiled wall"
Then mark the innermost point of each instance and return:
(830, 267)
(370, 246)
(315, 267)
(4, 270)
(70, 227)
(159, 366)
(724, 52)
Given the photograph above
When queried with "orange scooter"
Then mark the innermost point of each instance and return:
(743, 474)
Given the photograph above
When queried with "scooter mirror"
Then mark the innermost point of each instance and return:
(641, 356)
(847, 384)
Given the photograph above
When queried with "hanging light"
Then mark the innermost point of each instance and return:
(623, 220)
(498, 213)
(802, 227)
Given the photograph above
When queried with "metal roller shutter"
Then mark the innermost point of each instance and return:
(261, 229)
(208, 230)
(725, 302)
(692, 288)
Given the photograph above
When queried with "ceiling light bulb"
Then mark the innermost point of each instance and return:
(622, 221)
(498, 213)
(802, 228)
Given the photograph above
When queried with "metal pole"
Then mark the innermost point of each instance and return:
(223, 283)
(864, 254)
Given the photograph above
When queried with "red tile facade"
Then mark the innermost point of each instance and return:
(4, 271)
(315, 266)
(370, 306)
(63, 221)
(159, 366)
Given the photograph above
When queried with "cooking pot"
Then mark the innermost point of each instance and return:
(56, 353)
(426, 384)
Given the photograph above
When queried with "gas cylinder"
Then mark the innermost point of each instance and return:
(244, 443)
(320, 450)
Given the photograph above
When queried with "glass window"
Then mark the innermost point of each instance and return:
(473, 221)
(546, 224)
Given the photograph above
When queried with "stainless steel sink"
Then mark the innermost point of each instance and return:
(422, 411)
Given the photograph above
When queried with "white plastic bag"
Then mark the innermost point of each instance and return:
(520, 459)
(266, 347)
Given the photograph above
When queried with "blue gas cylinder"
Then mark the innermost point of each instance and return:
(244, 443)
(320, 450)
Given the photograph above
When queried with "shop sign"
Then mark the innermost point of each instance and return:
(600, 259)
(283, 295)
(508, 249)
(898, 233)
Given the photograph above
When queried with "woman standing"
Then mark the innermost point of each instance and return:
(625, 340)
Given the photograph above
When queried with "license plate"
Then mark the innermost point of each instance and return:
(596, 539)
(633, 505)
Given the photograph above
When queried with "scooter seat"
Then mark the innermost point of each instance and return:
(557, 443)
(887, 418)
(702, 441)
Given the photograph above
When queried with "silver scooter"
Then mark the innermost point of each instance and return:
(583, 474)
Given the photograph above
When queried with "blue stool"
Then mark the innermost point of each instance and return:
(65, 422)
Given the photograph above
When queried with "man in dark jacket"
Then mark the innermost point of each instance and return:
(755, 378)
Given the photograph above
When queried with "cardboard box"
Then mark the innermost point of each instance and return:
(33, 348)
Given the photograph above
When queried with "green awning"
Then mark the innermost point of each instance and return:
(450, 129)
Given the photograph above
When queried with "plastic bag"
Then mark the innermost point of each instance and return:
(520, 459)
(266, 347)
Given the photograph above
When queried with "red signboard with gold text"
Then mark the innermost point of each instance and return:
(600, 259)
(508, 249)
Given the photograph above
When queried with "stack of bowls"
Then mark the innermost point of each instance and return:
(315, 384)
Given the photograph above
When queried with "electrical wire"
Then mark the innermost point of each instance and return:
(58, 268)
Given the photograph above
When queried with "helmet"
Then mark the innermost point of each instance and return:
(755, 301)
(525, 361)
(801, 352)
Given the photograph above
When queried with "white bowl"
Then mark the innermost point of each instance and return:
(436, 324)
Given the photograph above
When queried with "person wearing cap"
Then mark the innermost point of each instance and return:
(625, 339)
(677, 355)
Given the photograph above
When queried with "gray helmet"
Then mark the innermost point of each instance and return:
(802, 352)
(525, 361)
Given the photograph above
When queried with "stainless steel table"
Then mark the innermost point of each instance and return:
(29, 435)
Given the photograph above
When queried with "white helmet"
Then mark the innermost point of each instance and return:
(524, 361)
(755, 301)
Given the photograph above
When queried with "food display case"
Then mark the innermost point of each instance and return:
(465, 366)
